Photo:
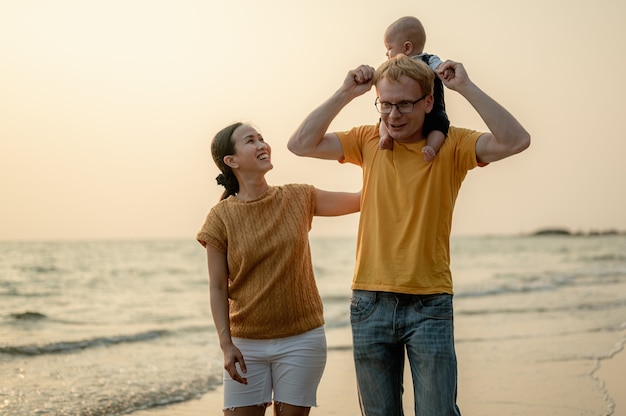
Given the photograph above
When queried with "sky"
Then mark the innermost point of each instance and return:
(108, 108)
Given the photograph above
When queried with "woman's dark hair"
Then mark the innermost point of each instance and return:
(221, 146)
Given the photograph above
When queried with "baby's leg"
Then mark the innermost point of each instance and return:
(434, 141)
(429, 153)
(385, 142)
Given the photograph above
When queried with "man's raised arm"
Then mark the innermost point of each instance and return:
(507, 136)
(311, 139)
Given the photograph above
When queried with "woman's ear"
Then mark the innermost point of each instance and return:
(230, 161)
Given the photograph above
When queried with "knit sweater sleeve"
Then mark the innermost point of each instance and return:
(213, 231)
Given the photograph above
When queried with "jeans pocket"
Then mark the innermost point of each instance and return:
(435, 306)
(362, 305)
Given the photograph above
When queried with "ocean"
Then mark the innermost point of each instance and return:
(111, 327)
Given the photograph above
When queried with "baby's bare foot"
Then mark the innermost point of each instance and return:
(429, 153)
(385, 143)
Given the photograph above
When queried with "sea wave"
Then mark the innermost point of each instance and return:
(123, 401)
(69, 346)
(512, 283)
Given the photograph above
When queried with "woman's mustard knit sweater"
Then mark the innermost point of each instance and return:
(272, 290)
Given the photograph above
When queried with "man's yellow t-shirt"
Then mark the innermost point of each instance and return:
(406, 210)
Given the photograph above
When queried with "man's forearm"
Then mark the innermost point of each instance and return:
(504, 127)
(310, 139)
(307, 140)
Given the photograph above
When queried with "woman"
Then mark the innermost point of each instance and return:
(264, 300)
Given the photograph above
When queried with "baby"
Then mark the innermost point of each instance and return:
(407, 35)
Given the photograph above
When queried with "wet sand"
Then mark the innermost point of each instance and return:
(493, 381)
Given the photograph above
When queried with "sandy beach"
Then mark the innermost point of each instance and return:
(488, 385)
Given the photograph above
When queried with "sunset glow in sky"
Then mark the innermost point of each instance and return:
(107, 109)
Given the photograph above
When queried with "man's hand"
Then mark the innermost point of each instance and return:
(453, 75)
(358, 81)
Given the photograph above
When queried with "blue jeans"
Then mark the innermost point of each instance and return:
(383, 325)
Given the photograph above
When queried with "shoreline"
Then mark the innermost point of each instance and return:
(487, 386)
(611, 373)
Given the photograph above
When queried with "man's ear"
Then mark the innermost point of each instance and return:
(430, 102)
(230, 161)
(408, 48)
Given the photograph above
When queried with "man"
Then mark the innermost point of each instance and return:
(402, 286)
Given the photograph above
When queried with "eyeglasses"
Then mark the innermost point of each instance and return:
(404, 107)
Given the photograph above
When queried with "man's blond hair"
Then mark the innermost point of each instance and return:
(401, 65)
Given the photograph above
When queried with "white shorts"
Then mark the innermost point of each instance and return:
(291, 367)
